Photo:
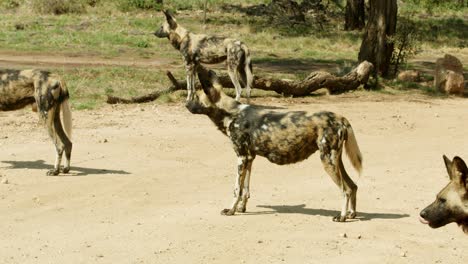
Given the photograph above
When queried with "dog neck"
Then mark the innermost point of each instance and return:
(221, 114)
(221, 119)
(177, 36)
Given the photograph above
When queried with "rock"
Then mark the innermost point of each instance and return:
(344, 235)
(455, 83)
(448, 75)
(409, 76)
(4, 181)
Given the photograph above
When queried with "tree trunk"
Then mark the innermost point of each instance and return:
(376, 47)
(355, 15)
(316, 80)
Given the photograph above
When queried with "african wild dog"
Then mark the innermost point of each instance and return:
(281, 137)
(199, 48)
(451, 204)
(47, 92)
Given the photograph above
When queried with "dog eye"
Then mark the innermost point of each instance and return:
(442, 200)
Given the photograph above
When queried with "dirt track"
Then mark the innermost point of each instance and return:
(153, 192)
(11, 59)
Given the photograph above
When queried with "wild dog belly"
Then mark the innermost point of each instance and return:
(212, 55)
(211, 50)
(15, 94)
(284, 146)
(284, 138)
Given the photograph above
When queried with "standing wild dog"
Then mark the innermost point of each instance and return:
(46, 91)
(281, 137)
(199, 48)
(451, 204)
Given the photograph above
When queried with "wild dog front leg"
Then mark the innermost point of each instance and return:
(245, 195)
(238, 186)
(190, 71)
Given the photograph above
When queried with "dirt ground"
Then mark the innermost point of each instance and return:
(148, 182)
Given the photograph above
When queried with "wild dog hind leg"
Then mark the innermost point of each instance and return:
(330, 160)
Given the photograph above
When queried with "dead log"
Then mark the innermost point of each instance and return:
(316, 80)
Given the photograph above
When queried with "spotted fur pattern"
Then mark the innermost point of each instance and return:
(451, 204)
(48, 95)
(200, 48)
(283, 137)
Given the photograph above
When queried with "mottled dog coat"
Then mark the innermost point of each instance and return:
(199, 48)
(46, 91)
(451, 204)
(281, 137)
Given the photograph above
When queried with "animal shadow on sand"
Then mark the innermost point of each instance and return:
(75, 171)
(301, 209)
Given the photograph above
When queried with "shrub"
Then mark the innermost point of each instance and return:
(406, 42)
(128, 5)
(9, 4)
(58, 7)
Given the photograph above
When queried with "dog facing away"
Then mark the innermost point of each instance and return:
(451, 204)
(19, 88)
(281, 137)
(199, 48)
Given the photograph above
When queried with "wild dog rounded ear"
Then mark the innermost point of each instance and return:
(448, 166)
(459, 170)
(207, 79)
(170, 18)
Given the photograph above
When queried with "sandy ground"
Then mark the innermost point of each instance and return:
(148, 183)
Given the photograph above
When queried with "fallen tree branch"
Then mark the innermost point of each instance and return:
(148, 97)
(316, 80)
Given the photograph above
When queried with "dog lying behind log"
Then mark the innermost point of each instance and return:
(281, 137)
(47, 92)
(451, 204)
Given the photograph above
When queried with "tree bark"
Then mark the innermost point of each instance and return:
(355, 15)
(376, 46)
(316, 80)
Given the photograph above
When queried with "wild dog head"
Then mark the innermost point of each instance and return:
(451, 204)
(168, 26)
(211, 98)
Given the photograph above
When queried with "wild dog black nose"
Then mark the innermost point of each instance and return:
(422, 217)
(423, 214)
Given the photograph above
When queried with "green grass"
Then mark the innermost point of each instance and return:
(283, 51)
(89, 86)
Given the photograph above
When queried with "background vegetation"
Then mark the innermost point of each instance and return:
(122, 29)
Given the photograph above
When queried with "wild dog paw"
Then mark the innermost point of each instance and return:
(66, 169)
(339, 218)
(241, 208)
(227, 212)
(53, 172)
(351, 215)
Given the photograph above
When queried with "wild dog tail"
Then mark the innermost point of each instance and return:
(352, 149)
(66, 110)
